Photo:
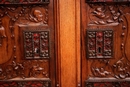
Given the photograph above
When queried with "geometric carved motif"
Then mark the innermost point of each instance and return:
(36, 44)
(100, 43)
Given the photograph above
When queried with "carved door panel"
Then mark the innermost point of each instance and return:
(105, 43)
(27, 57)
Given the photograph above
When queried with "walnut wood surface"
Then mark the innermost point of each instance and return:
(98, 16)
(15, 21)
(68, 16)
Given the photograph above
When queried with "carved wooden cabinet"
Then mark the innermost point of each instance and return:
(27, 56)
(105, 43)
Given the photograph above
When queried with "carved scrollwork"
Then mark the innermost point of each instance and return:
(18, 69)
(118, 68)
(26, 14)
(121, 69)
(104, 14)
(102, 70)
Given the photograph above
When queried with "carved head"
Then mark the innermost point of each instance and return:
(38, 15)
(1, 70)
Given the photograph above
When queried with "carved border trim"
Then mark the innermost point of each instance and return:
(24, 1)
(25, 83)
(95, 1)
(107, 84)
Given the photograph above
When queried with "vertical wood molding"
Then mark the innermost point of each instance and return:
(78, 42)
(68, 43)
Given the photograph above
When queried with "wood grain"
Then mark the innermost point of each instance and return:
(67, 43)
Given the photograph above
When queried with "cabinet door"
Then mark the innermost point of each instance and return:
(27, 56)
(105, 43)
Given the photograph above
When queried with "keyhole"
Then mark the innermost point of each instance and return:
(99, 49)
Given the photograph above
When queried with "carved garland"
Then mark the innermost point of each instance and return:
(34, 69)
(98, 16)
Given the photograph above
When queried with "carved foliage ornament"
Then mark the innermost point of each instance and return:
(25, 14)
(118, 68)
(103, 14)
(24, 69)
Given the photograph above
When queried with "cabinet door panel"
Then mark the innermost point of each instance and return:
(105, 43)
(27, 54)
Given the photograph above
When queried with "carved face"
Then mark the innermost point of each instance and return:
(38, 15)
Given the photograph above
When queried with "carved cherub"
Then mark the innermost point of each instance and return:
(37, 16)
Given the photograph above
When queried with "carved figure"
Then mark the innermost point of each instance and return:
(2, 31)
(38, 16)
(2, 34)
